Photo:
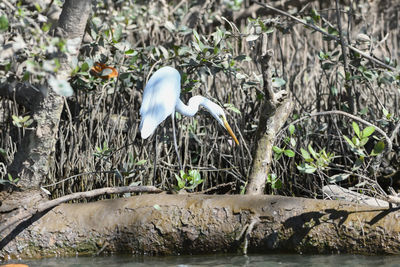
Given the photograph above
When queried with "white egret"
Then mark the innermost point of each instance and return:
(161, 99)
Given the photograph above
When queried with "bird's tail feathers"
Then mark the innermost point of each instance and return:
(147, 127)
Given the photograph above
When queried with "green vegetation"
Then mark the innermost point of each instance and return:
(189, 180)
(217, 48)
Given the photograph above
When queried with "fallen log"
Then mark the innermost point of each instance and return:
(338, 192)
(192, 224)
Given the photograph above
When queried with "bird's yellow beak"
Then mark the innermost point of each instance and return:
(229, 129)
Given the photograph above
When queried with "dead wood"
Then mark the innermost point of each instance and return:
(35, 207)
(183, 224)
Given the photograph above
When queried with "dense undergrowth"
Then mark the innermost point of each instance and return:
(216, 46)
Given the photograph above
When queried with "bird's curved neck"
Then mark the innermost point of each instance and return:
(193, 105)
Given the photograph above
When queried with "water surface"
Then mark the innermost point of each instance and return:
(221, 260)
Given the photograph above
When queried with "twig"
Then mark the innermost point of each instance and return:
(217, 188)
(246, 231)
(106, 244)
(253, 222)
(151, 70)
(26, 214)
(377, 61)
(77, 175)
(395, 131)
(343, 45)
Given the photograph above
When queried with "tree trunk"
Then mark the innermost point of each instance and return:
(275, 110)
(32, 160)
(187, 224)
(271, 121)
(35, 154)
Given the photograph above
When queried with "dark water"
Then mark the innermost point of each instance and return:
(222, 260)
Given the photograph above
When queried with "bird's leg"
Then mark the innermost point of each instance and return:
(155, 156)
(175, 143)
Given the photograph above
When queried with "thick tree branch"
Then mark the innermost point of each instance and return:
(183, 224)
(275, 110)
(26, 214)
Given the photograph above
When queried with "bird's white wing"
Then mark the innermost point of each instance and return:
(159, 99)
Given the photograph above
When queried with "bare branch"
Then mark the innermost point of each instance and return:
(377, 61)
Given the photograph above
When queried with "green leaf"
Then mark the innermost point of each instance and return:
(141, 162)
(105, 145)
(368, 131)
(360, 152)
(277, 156)
(274, 181)
(231, 107)
(323, 56)
(129, 52)
(157, 207)
(355, 141)
(349, 141)
(25, 119)
(364, 111)
(3, 153)
(195, 174)
(312, 152)
(117, 33)
(3, 23)
(338, 177)
(38, 7)
(15, 118)
(277, 185)
(305, 154)
(386, 113)
(181, 183)
(315, 16)
(289, 153)
(291, 129)
(356, 129)
(277, 150)
(293, 142)
(196, 36)
(243, 189)
(85, 67)
(363, 141)
(306, 168)
(378, 148)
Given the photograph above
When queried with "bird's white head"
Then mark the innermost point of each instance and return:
(218, 113)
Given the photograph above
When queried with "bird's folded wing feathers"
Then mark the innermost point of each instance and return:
(159, 100)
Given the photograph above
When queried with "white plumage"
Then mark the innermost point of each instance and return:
(161, 99)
